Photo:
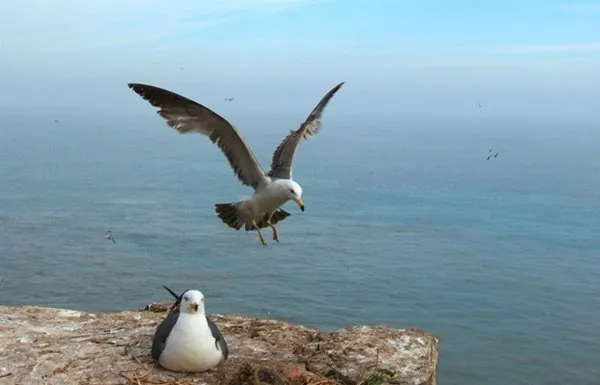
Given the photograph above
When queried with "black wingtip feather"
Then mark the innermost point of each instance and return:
(135, 86)
(171, 291)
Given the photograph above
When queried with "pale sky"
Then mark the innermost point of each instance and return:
(407, 56)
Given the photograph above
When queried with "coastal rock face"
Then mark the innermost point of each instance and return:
(55, 346)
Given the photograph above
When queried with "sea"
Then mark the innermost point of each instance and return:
(406, 224)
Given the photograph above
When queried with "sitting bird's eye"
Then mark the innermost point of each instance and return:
(292, 191)
(185, 298)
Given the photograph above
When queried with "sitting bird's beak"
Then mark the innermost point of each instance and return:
(194, 306)
(300, 203)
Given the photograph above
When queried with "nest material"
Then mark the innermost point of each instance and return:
(248, 374)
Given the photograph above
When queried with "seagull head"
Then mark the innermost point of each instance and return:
(294, 192)
(192, 302)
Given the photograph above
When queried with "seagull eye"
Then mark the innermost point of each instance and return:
(292, 191)
(185, 298)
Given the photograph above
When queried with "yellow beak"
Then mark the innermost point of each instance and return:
(194, 306)
(300, 203)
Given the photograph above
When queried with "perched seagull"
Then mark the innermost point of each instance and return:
(229, 99)
(272, 189)
(187, 340)
(109, 236)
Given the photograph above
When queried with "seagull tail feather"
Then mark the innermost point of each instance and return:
(230, 214)
(232, 217)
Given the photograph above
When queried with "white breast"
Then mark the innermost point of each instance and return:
(190, 347)
(268, 199)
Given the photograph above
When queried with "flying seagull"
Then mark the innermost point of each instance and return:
(272, 189)
(109, 236)
(2, 281)
(492, 155)
(187, 340)
(229, 99)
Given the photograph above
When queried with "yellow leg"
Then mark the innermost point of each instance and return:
(260, 236)
(275, 232)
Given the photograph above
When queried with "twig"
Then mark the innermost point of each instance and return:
(325, 381)
(127, 378)
(370, 370)
(62, 369)
(139, 362)
(99, 341)
(321, 380)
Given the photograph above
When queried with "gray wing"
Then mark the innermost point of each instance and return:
(162, 333)
(281, 164)
(187, 116)
(219, 339)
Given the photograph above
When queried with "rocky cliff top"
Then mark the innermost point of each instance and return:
(56, 346)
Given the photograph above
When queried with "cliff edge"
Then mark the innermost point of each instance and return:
(55, 346)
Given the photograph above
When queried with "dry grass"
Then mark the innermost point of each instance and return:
(246, 374)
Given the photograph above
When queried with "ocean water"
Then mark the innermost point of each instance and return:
(406, 224)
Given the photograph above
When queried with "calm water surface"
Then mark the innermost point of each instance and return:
(406, 223)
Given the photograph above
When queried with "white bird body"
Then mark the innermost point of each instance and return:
(187, 340)
(266, 200)
(190, 346)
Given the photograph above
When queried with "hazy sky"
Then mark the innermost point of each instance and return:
(524, 56)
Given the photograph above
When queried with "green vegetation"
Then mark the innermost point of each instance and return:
(377, 378)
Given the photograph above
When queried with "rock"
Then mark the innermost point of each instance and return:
(57, 346)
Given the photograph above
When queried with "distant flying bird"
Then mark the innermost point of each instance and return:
(229, 99)
(272, 189)
(479, 105)
(109, 236)
(2, 281)
(55, 121)
(495, 155)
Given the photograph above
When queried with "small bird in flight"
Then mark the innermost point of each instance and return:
(229, 99)
(492, 155)
(109, 236)
(2, 281)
